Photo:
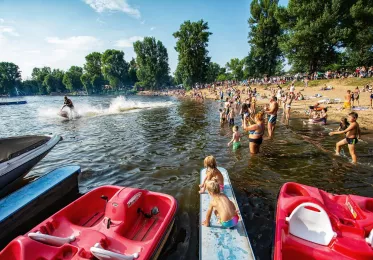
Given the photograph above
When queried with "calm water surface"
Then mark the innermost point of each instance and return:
(159, 143)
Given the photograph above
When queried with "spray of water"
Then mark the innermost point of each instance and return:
(117, 105)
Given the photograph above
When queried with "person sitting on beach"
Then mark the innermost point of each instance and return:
(256, 132)
(211, 172)
(222, 115)
(352, 136)
(236, 138)
(347, 102)
(343, 124)
(272, 115)
(223, 208)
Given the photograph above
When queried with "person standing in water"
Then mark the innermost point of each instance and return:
(352, 136)
(256, 132)
(289, 100)
(272, 116)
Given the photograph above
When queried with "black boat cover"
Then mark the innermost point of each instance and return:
(15, 146)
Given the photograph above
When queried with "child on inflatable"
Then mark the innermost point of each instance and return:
(225, 210)
(236, 138)
(211, 172)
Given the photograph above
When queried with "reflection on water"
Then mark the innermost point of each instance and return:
(159, 143)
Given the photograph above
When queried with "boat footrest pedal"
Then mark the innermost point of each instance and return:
(103, 254)
(51, 240)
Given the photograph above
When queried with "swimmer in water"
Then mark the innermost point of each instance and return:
(223, 208)
(211, 172)
(236, 138)
(352, 136)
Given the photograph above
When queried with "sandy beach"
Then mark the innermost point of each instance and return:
(335, 112)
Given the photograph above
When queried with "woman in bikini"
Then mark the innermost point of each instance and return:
(256, 132)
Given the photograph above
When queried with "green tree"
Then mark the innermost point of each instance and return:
(263, 36)
(71, 79)
(10, 77)
(86, 81)
(132, 72)
(115, 68)
(314, 33)
(93, 73)
(29, 87)
(192, 42)
(212, 72)
(39, 75)
(359, 22)
(235, 66)
(152, 63)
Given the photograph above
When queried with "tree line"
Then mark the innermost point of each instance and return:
(310, 36)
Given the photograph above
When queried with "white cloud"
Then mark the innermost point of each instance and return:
(8, 30)
(142, 22)
(2, 20)
(126, 43)
(113, 5)
(75, 42)
(152, 28)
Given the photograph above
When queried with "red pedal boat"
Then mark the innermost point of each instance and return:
(314, 224)
(109, 222)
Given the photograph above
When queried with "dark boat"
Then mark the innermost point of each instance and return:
(13, 103)
(39, 199)
(18, 155)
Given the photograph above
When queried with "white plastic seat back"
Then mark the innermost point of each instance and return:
(311, 225)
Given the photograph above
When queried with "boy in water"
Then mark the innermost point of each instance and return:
(352, 135)
(236, 138)
(225, 210)
(211, 172)
(231, 114)
(222, 115)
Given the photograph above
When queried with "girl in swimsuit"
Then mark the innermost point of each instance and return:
(211, 172)
(256, 132)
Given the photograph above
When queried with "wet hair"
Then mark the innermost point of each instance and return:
(259, 116)
(325, 109)
(212, 186)
(354, 115)
(274, 98)
(210, 162)
(220, 110)
(235, 128)
(344, 121)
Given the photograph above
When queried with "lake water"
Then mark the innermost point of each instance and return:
(159, 143)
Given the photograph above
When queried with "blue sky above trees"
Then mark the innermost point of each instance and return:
(59, 34)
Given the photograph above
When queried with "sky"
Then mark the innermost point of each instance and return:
(60, 33)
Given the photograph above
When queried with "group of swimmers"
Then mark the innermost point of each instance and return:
(254, 122)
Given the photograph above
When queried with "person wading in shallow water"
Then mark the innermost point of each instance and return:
(352, 136)
(272, 116)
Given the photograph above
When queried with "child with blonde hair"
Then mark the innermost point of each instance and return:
(236, 138)
(211, 172)
(225, 210)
